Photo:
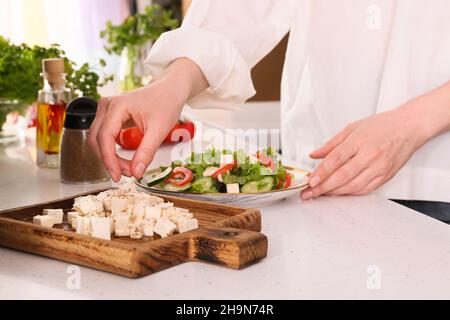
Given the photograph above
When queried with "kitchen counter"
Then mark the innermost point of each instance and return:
(349, 247)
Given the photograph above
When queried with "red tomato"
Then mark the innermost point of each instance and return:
(223, 169)
(180, 176)
(129, 138)
(288, 181)
(182, 131)
(266, 160)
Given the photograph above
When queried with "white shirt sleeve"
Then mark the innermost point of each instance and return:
(225, 38)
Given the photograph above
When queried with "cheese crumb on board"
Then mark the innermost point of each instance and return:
(55, 213)
(46, 221)
(122, 212)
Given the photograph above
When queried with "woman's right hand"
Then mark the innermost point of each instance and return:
(154, 108)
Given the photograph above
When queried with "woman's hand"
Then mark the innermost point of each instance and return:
(369, 152)
(365, 154)
(154, 109)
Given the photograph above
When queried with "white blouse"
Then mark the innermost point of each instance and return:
(346, 60)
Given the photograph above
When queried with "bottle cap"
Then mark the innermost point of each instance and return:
(53, 65)
(80, 113)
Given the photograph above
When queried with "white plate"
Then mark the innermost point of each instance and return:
(259, 199)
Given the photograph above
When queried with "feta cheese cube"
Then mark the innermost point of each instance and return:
(71, 216)
(165, 205)
(55, 213)
(121, 223)
(136, 229)
(226, 159)
(46, 221)
(153, 212)
(233, 188)
(164, 227)
(185, 225)
(83, 225)
(88, 206)
(138, 210)
(111, 224)
(100, 228)
(170, 211)
(120, 204)
(105, 198)
(148, 227)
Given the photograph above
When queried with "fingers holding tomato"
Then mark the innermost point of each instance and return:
(130, 138)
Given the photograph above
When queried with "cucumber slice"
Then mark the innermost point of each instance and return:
(172, 187)
(204, 185)
(250, 187)
(157, 177)
(264, 185)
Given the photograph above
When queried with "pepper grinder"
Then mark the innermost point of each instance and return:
(79, 163)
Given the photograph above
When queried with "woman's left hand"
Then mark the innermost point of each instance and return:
(366, 154)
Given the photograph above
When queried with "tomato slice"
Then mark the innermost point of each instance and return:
(223, 169)
(180, 176)
(284, 184)
(266, 160)
(288, 181)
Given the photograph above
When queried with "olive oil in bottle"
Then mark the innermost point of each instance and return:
(52, 102)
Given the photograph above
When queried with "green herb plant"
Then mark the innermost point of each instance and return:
(20, 75)
(134, 34)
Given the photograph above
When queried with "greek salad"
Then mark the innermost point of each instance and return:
(223, 171)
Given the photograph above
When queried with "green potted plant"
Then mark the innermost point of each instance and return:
(131, 39)
(20, 79)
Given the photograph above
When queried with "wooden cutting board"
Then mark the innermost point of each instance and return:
(226, 235)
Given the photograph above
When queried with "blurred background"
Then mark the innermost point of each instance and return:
(76, 25)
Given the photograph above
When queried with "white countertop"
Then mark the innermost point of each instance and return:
(318, 249)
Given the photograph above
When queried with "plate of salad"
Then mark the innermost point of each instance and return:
(228, 177)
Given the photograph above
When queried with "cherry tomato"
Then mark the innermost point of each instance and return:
(182, 131)
(223, 169)
(180, 176)
(130, 138)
